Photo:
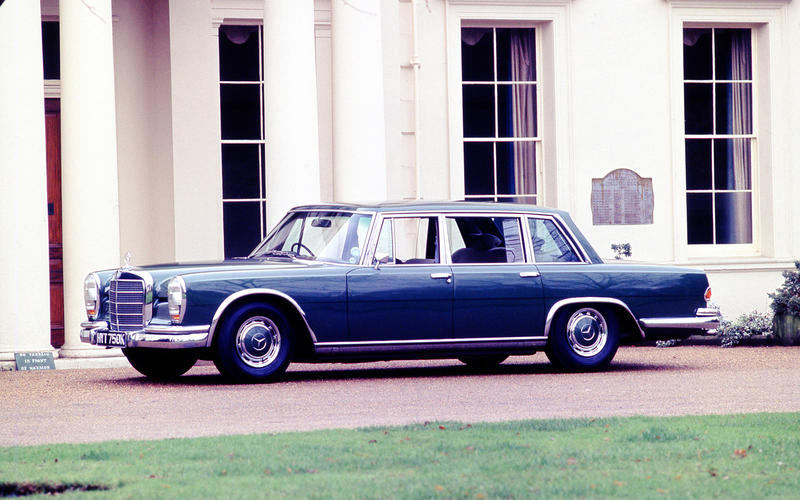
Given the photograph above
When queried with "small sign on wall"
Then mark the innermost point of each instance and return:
(34, 361)
(622, 197)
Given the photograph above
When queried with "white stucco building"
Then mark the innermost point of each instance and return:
(183, 129)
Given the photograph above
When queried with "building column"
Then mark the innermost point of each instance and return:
(88, 158)
(290, 106)
(359, 132)
(24, 259)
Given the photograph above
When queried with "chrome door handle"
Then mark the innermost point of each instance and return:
(442, 276)
(529, 274)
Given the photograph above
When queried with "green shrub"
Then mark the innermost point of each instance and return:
(621, 250)
(786, 299)
(732, 333)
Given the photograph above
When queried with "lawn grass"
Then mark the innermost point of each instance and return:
(726, 456)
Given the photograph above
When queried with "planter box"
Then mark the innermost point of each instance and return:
(786, 329)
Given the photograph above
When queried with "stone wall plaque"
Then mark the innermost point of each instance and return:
(622, 197)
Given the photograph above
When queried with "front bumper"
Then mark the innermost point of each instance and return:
(706, 318)
(157, 336)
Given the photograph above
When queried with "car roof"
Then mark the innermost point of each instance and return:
(433, 206)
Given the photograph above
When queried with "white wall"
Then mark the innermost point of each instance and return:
(196, 155)
(144, 130)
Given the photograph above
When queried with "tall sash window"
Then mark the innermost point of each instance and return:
(499, 94)
(719, 135)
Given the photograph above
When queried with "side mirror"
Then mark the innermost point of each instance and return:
(380, 258)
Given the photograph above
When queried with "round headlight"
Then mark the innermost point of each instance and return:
(91, 296)
(176, 299)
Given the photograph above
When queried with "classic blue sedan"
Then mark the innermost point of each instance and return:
(338, 282)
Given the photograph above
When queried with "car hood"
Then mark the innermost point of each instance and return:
(162, 273)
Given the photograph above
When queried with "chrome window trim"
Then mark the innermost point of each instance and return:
(254, 291)
(505, 215)
(586, 300)
(373, 241)
(568, 235)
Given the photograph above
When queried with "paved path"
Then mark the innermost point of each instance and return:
(103, 404)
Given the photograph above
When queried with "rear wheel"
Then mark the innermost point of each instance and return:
(160, 364)
(483, 362)
(254, 344)
(583, 339)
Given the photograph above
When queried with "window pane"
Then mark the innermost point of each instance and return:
(733, 54)
(478, 110)
(734, 218)
(732, 163)
(478, 168)
(238, 53)
(477, 55)
(479, 240)
(698, 164)
(698, 108)
(240, 110)
(240, 166)
(734, 108)
(697, 54)
(416, 240)
(516, 55)
(516, 110)
(549, 245)
(51, 55)
(516, 168)
(700, 218)
(241, 225)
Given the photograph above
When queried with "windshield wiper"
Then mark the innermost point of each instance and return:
(284, 254)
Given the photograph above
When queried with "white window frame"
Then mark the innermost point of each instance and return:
(766, 19)
(494, 83)
(735, 248)
(550, 20)
(261, 141)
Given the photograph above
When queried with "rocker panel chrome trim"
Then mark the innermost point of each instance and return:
(428, 341)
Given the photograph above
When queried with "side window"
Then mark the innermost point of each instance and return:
(485, 240)
(549, 244)
(409, 240)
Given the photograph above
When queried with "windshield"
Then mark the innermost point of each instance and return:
(325, 236)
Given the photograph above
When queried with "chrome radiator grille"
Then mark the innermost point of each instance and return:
(126, 304)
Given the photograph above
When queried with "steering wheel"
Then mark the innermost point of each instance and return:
(296, 247)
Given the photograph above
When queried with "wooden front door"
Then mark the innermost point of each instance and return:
(52, 114)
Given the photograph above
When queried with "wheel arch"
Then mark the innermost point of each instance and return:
(286, 304)
(626, 318)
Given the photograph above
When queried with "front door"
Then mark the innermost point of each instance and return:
(53, 138)
(408, 294)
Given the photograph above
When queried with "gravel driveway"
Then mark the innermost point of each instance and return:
(103, 404)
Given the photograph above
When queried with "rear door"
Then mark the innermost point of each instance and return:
(497, 292)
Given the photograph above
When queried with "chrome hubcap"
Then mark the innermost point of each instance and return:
(587, 332)
(258, 342)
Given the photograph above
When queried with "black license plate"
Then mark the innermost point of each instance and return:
(113, 339)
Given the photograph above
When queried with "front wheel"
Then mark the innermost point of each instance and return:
(160, 364)
(254, 344)
(583, 339)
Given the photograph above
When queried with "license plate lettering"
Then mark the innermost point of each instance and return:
(111, 338)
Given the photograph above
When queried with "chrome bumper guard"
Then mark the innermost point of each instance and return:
(706, 318)
(158, 336)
